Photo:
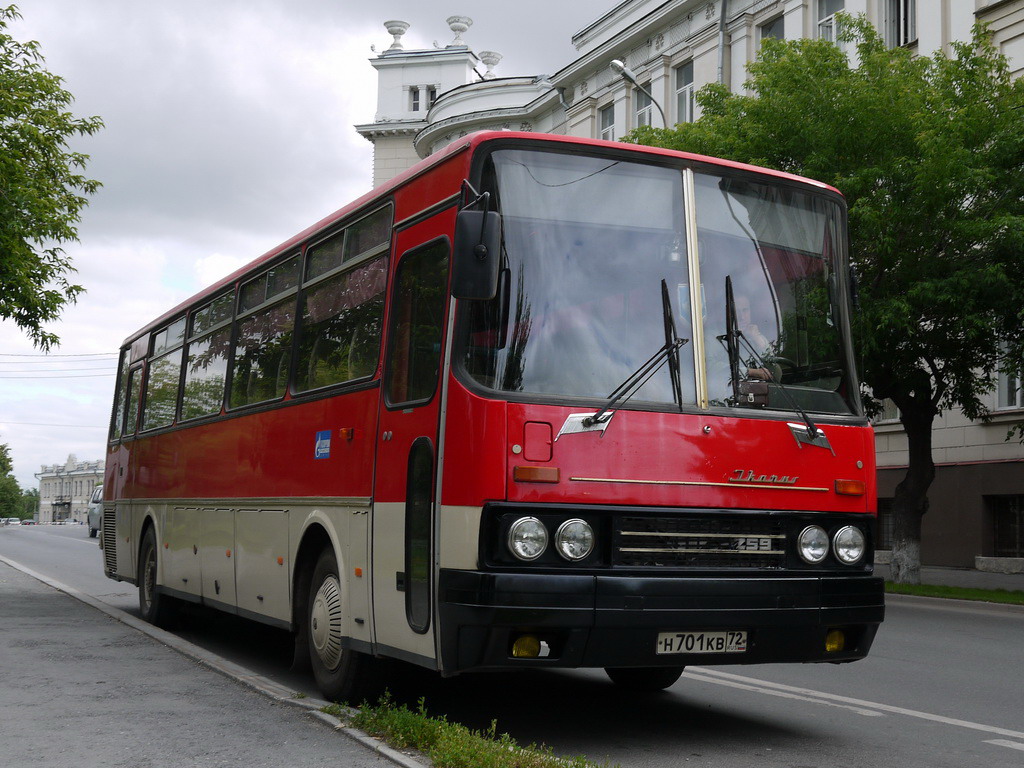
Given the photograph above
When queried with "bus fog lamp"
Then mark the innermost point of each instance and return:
(835, 641)
(574, 539)
(527, 538)
(526, 647)
(812, 544)
(849, 544)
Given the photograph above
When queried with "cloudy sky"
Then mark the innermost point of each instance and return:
(228, 129)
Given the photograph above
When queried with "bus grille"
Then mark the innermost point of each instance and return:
(718, 542)
(109, 539)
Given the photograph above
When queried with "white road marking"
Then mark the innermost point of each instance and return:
(783, 694)
(1005, 743)
(820, 697)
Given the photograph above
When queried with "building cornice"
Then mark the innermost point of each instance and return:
(662, 17)
(498, 118)
(371, 131)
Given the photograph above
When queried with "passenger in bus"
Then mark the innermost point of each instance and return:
(750, 330)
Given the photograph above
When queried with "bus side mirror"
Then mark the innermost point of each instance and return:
(477, 255)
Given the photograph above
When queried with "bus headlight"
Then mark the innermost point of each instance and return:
(527, 538)
(812, 544)
(849, 544)
(574, 539)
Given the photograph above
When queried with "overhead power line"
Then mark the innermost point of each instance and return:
(63, 426)
(42, 354)
(53, 370)
(82, 376)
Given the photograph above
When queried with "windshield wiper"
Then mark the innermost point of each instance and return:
(668, 351)
(732, 338)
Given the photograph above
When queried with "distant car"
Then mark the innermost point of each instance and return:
(14, 521)
(95, 514)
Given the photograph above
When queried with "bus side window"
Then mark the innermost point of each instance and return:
(164, 376)
(131, 418)
(117, 419)
(414, 352)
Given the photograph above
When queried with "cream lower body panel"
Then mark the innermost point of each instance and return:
(239, 555)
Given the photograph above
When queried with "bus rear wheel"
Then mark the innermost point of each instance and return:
(644, 678)
(341, 673)
(155, 607)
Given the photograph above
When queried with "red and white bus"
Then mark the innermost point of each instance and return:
(537, 402)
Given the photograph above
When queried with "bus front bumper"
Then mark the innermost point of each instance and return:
(614, 621)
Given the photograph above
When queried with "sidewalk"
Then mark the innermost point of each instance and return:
(963, 577)
(79, 689)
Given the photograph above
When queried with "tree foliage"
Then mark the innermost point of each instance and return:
(42, 187)
(10, 492)
(29, 503)
(929, 153)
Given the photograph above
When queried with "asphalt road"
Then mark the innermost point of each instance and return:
(944, 686)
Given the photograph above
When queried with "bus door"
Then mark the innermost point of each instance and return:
(407, 442)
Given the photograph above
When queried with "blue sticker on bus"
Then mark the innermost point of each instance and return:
(323, 445)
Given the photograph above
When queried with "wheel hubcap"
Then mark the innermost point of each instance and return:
(325, 622)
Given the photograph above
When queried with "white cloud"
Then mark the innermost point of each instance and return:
(228, 130)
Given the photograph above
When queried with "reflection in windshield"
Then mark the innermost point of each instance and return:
(778, 245)
(587, 243)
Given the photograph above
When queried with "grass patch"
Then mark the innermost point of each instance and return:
(449, 745)
(1010, 597)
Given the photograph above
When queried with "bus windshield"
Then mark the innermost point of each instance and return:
(588, 241)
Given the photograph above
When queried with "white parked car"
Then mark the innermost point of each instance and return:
(95, 514)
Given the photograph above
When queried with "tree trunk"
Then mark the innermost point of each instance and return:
(911, 499)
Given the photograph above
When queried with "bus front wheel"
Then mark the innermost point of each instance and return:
(155, 607)
(645, 678)
(340, 672)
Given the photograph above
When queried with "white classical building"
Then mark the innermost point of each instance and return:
(64, 489)
(426, 99)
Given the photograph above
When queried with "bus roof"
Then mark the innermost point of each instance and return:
(470, 141)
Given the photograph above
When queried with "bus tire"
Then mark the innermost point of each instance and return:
(644, 678)
(340, 673)
(155, 607)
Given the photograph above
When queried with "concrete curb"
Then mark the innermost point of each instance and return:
(237, 672)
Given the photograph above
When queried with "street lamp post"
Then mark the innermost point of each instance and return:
(628, 75)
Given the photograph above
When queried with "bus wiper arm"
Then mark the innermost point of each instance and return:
(814, 436)
(668, 351)
(732, 339)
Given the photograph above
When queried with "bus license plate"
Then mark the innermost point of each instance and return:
(702, 642)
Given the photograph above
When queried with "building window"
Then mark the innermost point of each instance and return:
(643, 106)
(773, 28)
(883, 528)
(684, 93)
(414, 98)
(889, 412)
(1008, 525)
(900, 22)
(827, 10)
(608, 123)
(431, 96)
(1010, 391)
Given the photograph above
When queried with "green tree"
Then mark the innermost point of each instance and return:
(41, 187)
(10, 492)
(929, 152)
(29, 503)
